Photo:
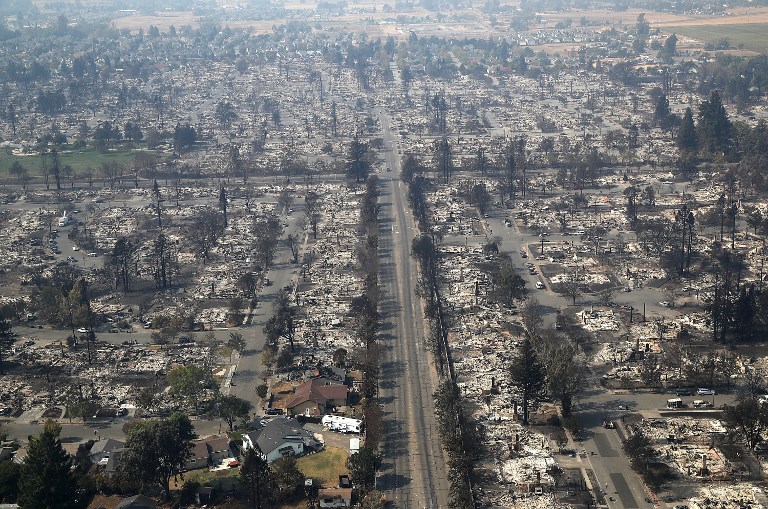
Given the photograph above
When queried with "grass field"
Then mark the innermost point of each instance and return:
(326, 465)
(79, 161)
(754, 36)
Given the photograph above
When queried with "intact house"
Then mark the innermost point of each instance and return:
(113, 462)
(280, 437)
(335, 497)
(208, 452)
(101, 450)
(137, 502)
(316, 397)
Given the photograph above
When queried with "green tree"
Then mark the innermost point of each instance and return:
(714, 128)
(509, 285)
(566, 373)
(10, 474)
(225, 114)
(670, 47)
(122, 261)
(747, 419)
(46, 480)
(17, 170)
(662, 112)
(639, 451)
(410, 167)
(236, 341)
(442, 157)
(158, 450)
(528, 375)
(6, 341)
(312, 211)
(363, 466)
(686, 136)
(642, 26)
(358, 164)
(184, 136)
(266, 233)
(189, 382)
(256, 480)
(287, 477)
(281, 324)
(231, 409)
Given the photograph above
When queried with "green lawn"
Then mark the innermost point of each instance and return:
(327, 465)
(79, 160)
(754, 36)
(205, 476)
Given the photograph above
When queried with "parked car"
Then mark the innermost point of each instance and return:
(539, 285)
(684, 392)
(702, 391)
(83, 330)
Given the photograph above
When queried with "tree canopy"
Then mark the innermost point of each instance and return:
(46, 478)
(158, 450)
(528, 375)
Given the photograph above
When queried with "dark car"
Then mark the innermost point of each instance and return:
(684, 392)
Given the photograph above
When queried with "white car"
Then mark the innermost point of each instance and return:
(539, 285)
(83, 330)
(701, 391)
(75, 248)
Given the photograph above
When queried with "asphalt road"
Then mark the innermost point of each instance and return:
(283, 273)
(413, 473)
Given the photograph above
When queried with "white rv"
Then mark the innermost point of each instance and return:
(342, 424)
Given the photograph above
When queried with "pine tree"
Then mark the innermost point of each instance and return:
(358, 165)
(714, 127)
(46, 481)
(529, 375)
(686, 136)
(6, 340)
(662, 112)
(670, 46)
(256, 480)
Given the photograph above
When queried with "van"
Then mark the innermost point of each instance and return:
(675, 403)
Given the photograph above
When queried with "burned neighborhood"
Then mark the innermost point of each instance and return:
(412, 254)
